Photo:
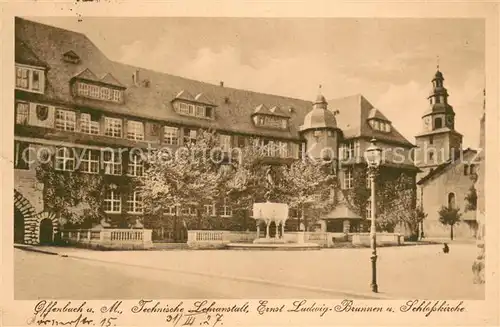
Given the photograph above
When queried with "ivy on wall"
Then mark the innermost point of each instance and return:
(78, 198)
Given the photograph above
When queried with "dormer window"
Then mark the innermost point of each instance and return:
(71, 57)
(87, 85)
(31, 79)
(271, 118)
(382, 126)
(200, 106)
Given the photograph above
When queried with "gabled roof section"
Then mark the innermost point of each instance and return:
(111, 80)
(276, 111)
(445, 166)
(202, 98)
(352, 119)
(184, 95)
(343, 209)
(87, 75)
(71, 56)
(24, 55)
(377, 114)
(261, 109)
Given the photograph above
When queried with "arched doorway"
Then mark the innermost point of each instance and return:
(46, 232)
(18, 226)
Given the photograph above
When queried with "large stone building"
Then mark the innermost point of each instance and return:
(70, 96)
(447, 171)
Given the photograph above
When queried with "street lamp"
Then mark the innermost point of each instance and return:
(373, 157)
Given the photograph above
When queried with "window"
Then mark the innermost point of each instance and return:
(105, 93)
(183, 108)
(438, 123)
(348, 178)
(112, 163)
(90, 161)
(21, 155)
(117, 95)
(282, 149)
(451, 200)
(209, 209)
(349, 150)
(189, 135)
(135, 166)
(466, 170)
(113, 127)
(170, 211)
(65, 120)
(134, 202)
(29, 79)
(170, 135)
(65, 159)
(225, 209)
(225, 142)
(87, 125)
(112, 202)
(94, 91)
(472, 169)
(22, 113)
(191, 109)
(200, 111)
(83, 89)
(431, 140)
(135, 130)
(431, 156)
(208, 112)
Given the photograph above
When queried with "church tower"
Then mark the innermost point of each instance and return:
(438, 142)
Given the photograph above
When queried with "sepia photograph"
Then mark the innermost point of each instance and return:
(249, 158)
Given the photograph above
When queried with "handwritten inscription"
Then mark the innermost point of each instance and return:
(211, 313)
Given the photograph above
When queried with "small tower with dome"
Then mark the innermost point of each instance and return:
(320, 131)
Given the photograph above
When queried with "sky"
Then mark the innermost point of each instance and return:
(390, 61)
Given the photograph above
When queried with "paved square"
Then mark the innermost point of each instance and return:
(403, 272)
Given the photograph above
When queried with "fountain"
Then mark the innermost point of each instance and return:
(277, 213)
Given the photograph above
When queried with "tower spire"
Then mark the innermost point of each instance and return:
(437, 62)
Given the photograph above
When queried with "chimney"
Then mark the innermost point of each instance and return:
(222, 83)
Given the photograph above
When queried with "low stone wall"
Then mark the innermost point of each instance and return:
(364, 239)
(214, 239)
(109, 239)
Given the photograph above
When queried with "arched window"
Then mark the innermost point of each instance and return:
(451, 200)
(438, 123)
(466, 170)
(472, 169)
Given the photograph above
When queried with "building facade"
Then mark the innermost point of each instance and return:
(83, 114)
(447, 171)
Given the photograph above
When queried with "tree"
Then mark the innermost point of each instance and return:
(308, 186)
(449, 216)
(190, 177)
(471, 199)
(399, 205)
(74, 197)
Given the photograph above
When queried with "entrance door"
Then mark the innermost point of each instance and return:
(18, 227)
(46, 232)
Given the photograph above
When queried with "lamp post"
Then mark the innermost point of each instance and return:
(373, 157)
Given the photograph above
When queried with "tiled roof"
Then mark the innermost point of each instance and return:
(377, 114)
(352, 119)
(154, 101)
(343, 209)
(88, 75)
(234, 106)
(444, 166)
(109, 79)
(24, 55)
